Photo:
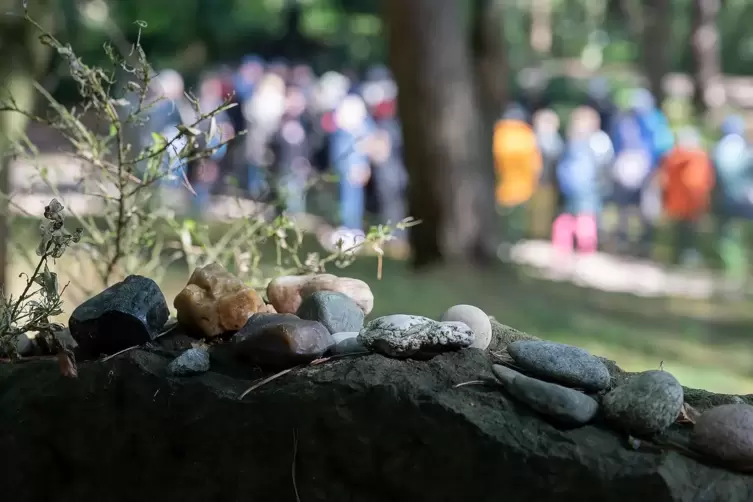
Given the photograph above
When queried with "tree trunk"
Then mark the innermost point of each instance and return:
(655, 44)
(429, 55)
(491, 71)
(709, 91)
(24, 59)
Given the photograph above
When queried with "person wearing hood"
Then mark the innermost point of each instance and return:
(686, 178)
(518, 165)
(733, 163)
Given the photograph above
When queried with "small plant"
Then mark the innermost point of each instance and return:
(41, 297)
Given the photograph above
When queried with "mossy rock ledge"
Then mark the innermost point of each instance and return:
(356, 429)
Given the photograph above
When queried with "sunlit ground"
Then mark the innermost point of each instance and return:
(704, 344)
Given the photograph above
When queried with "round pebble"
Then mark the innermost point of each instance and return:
(645, 404)
(726, 433)
(564, 364)
(474, 318)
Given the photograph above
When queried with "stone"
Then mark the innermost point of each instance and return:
(403, 336)
(215, 302)
(278, 344)
(25, 345)
(726, 433)
(564, 364)
(191, 362)
(368, 429)
(646, 403)
(286, 293)
(347, 343)
(358, 290)
(129, 313)
(563, 405)
(503, 335)
(336, 311)
(474, 318)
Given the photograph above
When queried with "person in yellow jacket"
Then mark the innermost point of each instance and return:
(518, 166)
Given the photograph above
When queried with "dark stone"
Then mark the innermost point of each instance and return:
(131, 312)
(646, 403)
(564, 405)
(560, 363)
(261, 320)
(336, 311)
(279, 344)
(365, 429)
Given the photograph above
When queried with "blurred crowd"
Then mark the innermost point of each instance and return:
(298, 125)
(620, 151)
(554, 176)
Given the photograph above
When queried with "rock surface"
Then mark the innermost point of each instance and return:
(645, 404)
(366, 429)
(403, 336)
(564, 405)
(215, 302)
(726, 433)
(503, 335)
(277, 341)
(131, 312)
(336, 311)
(474, 318)
(286, 293)
(564, 364)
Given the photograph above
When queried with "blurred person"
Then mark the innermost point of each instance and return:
(292, 151)
(281, 67)
(263, 113)
(329, 91)
(599, 97)
(588, 152)
(386, 150)
(350, 158)
(686, 177)
(245, 80)
(545, 201)
(204, 173)
(170, 110)
(635, 160)
(518, 164)
(733, 163)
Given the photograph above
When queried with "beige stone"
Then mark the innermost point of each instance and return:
(285, 293)
(215, 301)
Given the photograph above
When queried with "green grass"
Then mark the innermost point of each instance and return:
(704, 344)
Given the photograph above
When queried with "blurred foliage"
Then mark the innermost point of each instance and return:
(192, 34)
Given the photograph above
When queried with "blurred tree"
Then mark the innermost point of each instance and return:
(709, 92)
(24, 61)
(430, 55)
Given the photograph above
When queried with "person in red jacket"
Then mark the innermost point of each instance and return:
(686, 178)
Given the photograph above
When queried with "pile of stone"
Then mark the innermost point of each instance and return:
(306, 318)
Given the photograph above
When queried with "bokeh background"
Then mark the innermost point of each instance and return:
(429, 82)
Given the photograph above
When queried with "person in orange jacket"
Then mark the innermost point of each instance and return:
(686, 178)
(518, 165)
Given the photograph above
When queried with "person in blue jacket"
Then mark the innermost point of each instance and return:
(733, 162)
(641, 136)
(350, 158)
